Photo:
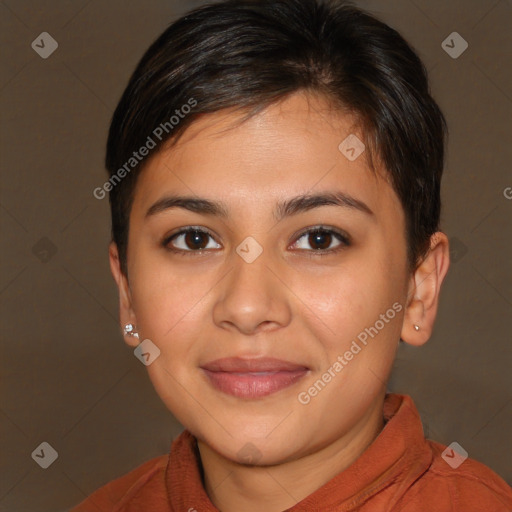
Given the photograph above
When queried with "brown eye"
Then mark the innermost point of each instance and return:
(321, 240)
(196, 240)
(189, 240)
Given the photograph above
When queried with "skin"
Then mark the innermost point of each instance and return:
(290, 303)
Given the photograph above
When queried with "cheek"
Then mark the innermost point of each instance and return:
(346, 304)
(341, 296)
(167, 301)
(170, 311)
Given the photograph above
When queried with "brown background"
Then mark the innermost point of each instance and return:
(67, 377)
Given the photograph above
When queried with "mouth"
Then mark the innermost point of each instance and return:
(252, 378)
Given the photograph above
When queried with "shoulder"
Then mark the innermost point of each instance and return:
(146, 478)
(461, 484)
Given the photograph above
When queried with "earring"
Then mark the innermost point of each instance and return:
(416, 327)
(129, 330)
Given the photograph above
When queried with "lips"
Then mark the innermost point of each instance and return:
(252, 378)
(241, 365)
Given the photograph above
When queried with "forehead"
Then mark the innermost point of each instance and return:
(289, 148)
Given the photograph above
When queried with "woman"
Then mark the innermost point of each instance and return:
(274, 180)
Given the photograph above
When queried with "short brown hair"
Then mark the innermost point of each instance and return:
(249, 54)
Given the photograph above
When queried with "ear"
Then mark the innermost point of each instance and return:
(424, 289)
(126, 314)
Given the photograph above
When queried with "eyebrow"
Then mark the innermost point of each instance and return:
(289, 207)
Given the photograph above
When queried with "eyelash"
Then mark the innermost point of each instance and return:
(339, 235)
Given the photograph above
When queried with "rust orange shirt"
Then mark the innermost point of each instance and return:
(400, 471)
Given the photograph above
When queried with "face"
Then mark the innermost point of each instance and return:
(308, 296)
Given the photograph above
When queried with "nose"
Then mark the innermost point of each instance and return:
(252, 298)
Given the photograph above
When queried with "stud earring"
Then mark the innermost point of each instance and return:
(416, 327)
(129, 330)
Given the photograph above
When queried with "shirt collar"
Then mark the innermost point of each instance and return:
(397, 457)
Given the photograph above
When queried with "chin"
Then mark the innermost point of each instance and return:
(253, 451)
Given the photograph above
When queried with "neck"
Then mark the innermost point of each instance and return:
(232, 486)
